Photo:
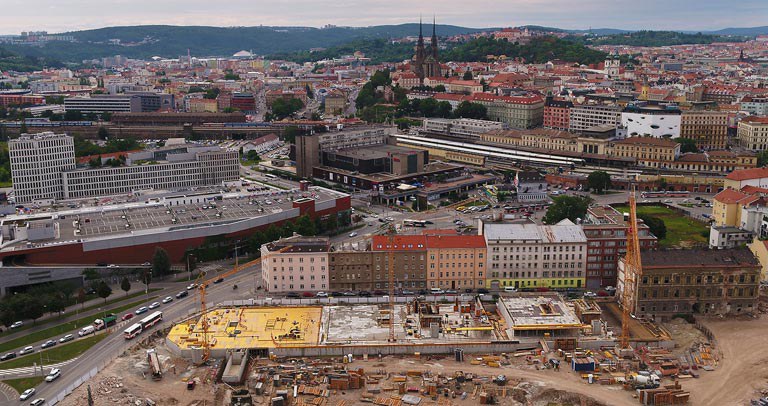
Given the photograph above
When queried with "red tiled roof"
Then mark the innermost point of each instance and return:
(455, 241)
(753, 190)
(745, 174)
(730, 196)
(85, 159)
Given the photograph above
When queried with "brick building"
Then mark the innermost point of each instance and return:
(606, 231)
(557, 113)
(697, 281)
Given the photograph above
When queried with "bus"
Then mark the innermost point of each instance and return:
(151, 320)
(271, 176)
(415, 223)
(663, 194)
(132, 331)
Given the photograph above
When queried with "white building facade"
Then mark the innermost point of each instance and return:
(37, 162)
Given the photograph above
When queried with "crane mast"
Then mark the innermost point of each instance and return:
(632, 271)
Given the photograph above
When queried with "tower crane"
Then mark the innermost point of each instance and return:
(632, 271)
(203, 285)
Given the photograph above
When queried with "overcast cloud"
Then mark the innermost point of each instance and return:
(69, 15)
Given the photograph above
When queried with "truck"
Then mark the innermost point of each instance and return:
(645, 381)
(154, 365)
(104, 322)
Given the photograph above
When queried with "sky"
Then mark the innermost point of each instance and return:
(72, 15)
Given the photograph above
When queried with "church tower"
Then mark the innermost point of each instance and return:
(612, 65)
(417, 63)
(432, 61)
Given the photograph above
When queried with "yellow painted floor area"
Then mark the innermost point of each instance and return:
(252, 327)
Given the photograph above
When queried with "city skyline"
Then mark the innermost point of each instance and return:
(685, 15)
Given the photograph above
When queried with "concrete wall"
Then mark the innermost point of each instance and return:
(21, 276)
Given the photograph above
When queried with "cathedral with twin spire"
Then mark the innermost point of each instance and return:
(426, 62)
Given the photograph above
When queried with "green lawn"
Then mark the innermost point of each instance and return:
(59, 353)
(682, 231)
(22, 384)
(63, 328)
(67, 314)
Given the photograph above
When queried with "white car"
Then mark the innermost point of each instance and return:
(352, 235)
(590, 294)
(37, 402)
(154, 305)
(17, 324)
(321, 294)
(27, 394)
(167, 300)
(27, 350)
(53, 375)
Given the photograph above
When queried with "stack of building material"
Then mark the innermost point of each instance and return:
(583, 364)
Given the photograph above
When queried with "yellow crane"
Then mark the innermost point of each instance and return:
(203, 285)
(632, 271)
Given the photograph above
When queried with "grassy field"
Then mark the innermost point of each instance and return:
(67, 314)
(682, 231)
(59, 353)
(63, 328)
(22, 384)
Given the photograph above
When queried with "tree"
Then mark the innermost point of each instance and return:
(283, 108)
(91, 274)
(467, 109)
(73, 115)
(599, 181)
(305, 226)
(655, 224)
(125, 285)
(762, 158)
(103, 133)
(81, 296)
(567, 207)
(161, 264)
(103, 290)
(252, 156)
(687, 145)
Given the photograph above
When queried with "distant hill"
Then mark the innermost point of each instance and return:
(654, 38)
(172, 41)
(746, 31)
(24, 63)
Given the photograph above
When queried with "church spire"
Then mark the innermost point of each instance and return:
(420, 30)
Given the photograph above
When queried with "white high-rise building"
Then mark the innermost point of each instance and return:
(37, 162)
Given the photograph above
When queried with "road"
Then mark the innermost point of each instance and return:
(247, 282)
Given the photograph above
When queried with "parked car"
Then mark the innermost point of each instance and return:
(17, 324)
(379, 292)
(364, 293)
(154, 305)
(321, 294)
(7, 356)
(348, 293)
(27, 394)
(483, 291)
(168, 299)
(27, 350)
(292, 295)
(141, 310)
(113, 266)
(37, 402)
(307, 294)
(70, 337)
(49, 343)
(145, 264)
(181, 294)
(590, 294)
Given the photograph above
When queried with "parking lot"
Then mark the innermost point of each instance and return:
(158, 216)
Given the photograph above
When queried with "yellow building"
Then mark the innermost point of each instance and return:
(456, 261)
(726, 207)
(760, 249)
(651, 152)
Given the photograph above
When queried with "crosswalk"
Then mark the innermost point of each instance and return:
(31, 370)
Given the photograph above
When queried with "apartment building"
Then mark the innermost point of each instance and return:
(295, 264)
(757, 106)
(350, 268)
(703, 281)
(606, 232)
(530, 256)
(122, 103)
(407, 255)
(37, 162)
(584, 116)
(752, 133)
(708, 128)
(516, 111)
(454, 261)
(557, 114)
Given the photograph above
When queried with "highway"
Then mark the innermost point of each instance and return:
(247, 281)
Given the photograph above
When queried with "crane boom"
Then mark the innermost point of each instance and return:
(204, 285)
(632, 271)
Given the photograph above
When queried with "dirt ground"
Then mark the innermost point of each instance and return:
(685, 335)
(124, 382)
(743, 370)
(741, 375)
